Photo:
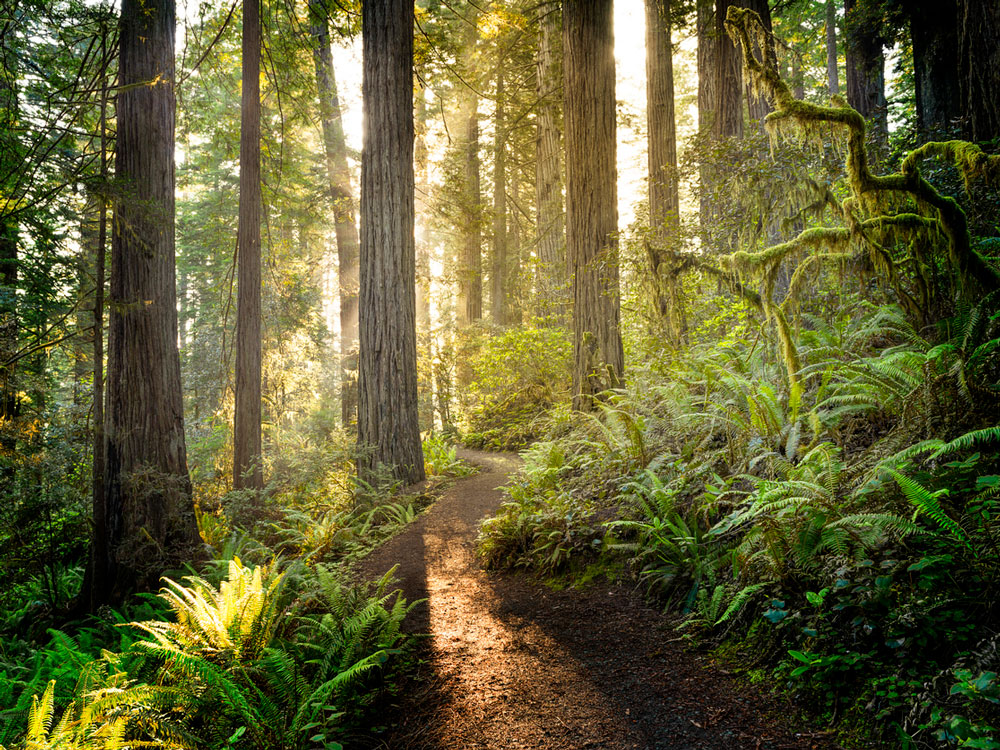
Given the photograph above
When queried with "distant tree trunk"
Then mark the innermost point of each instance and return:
(979, 67)
(728, 121)
(9, 115)
(425, 341)
(934, 33)
(798, 85)
(592, 198)
(662, 135)
(549, 219)
(706, 99)
(247, 470)
(832, 67)
(498, 275)
(150, 515)
(865, 70)
(388, 428)
(470, 261)
(339, 179)
(8, 340)
(758, 106)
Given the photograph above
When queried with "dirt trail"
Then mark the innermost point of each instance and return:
(510, 664)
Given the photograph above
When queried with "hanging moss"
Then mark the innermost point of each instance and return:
(811, 123)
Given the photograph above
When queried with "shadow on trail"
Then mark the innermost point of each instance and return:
(509, 664)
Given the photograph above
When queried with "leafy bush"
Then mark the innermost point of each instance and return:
(514, 377)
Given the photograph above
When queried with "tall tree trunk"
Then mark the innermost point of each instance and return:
(706, 99)
(662, 136)
(9, 115)
(865, 70)
(388, 426)
(592, 198)
(549, 219)
(339, 179)
(979, 67)
(498, 275)
(728, 122)
(247, 470)
(757, 106)
(425, 341)
(832, 67)
(934, 33)
(150, 515)
(470, 261)
(8, 341)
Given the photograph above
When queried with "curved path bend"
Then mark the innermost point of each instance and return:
(510, 664)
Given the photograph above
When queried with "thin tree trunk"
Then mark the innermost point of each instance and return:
(388, 423)
(150, 515)
(663, 190)
(832, 67)
(498, 275)
(550, 222)
(592, 198)
(99, 546)
(247, 470)
(9, 112)
(706, 100)
(425, 342)
(339, 177)
(470, 261)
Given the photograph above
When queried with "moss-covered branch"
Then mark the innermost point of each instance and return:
(802, 120)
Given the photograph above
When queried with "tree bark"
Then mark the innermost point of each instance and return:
(150, 515)
(498, 275)
(663, 190)
(757, 106)
(865, 69)
(425, 339)
(339, 180)
(592, 198)
(9, 115)
(388, 429)
(247, 470)
(979, 68)
(470, 262)
(728, 120)
(550, 222)
(832, 67)
(934, 34)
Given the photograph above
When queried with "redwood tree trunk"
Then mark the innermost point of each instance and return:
(339, 179)
(979, 67)
(470, 261)
(758, 106)
(661, 132)
(150, 515)
(498, 268)
(865, 70)
(247, 471)
(592, 198)
(550, 222)
(832, 68)
(934, 33)
(728, 122)
(388, 429)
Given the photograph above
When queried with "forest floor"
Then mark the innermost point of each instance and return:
(509, 663)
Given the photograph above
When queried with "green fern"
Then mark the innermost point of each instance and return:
(926, 502)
